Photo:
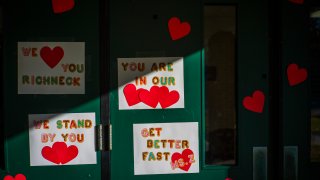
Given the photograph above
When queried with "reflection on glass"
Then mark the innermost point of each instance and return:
(315, 86)
(219, 47)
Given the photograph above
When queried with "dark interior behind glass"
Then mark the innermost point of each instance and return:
(220, 98)
(315, 83)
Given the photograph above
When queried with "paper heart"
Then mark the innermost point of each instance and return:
(17, 177)
(131, 94)
(51, 57)
(296, 75)
(60, 6)
(150, 98)
(184, 160)
(59, 153)
(254, 103)
(177, 29)
(166, 98)
(297, 1)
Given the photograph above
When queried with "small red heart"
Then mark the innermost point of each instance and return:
(150, 98)
(183, 161)
(59, 153)
(60, 6)
(17, 177)
(51, 57)
(297, 1)
(177, 29)
(254, 103)
(166, 98)
(131, 94)
(296, 75)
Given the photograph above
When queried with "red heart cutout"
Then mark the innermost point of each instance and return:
(59, 153)
(183, 161)
(150, 98)
(17, 177)
(49, 154)
(254, 103)
(177, 29)
(51, 57)
(131, 94)
(60, 6)
(296, 75)
(167, 98)
(297, 1)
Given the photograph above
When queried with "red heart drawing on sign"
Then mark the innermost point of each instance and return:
(297, 1)
(59, 153)
(177, 29)
(51, 57)
(131, 94)
(17, 177)
(254, 103)
(183, 161)
(60, 6)
(150, 98)
(296, 75)
(166, 98)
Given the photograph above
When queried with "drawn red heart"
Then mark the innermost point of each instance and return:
(150, 98)
(131, 94)
(296, 75)
(51, 57)
(177, 29)
(297, 1)
(17, 177)
(60, 6)
(183, 160)
(254, 103)
(166, 98)
(59, 153)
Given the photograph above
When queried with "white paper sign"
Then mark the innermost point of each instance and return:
(51, 67)
(166, 148)
(150, 83)
(62, 139)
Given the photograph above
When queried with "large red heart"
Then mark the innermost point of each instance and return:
(131, 94)
(183, 161)
(60, 6)
(177, 29)
(150, 98)
(254, 103)
(296, 75)
(17, 177)
(51, 57)
(59, 153)
(297, 1)
(167, 98)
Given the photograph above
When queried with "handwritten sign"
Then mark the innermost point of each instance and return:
(166, 148)
(51, 67)
(150, 83)
(62, 139)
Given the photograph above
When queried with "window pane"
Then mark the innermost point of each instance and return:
(219, 47)
(315, 84)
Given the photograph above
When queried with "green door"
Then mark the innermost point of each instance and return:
(27, 23)
(300, 67)
(225, 89)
